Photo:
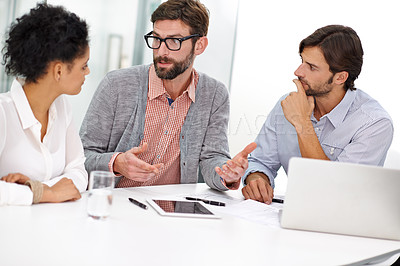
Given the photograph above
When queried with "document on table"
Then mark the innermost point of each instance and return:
(246, 209)
(255, 211)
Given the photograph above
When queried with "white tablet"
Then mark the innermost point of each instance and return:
(181, 208)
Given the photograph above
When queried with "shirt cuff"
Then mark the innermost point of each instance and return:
(233, 186)
(111, 164)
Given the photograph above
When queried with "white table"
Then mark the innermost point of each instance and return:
(63, 234)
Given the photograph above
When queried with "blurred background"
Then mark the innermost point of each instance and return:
(253, 50)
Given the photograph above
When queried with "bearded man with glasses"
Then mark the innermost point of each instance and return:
(164, 123)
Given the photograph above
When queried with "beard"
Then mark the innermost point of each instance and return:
(318, 90)
(178, 67)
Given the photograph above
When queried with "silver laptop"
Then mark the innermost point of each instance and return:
(342, 198)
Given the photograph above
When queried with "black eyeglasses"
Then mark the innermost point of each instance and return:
(173, 44)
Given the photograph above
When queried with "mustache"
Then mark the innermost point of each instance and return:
(303, 81)
(163, 59)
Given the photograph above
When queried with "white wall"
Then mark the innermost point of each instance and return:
(104, 17)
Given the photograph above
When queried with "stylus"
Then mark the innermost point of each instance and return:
(277, 200)
(211, 202)
(137, 203)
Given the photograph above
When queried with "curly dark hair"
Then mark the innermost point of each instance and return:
(45, 34)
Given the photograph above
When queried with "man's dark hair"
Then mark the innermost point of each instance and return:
(47, 33)
(191, 12)
(342, 50)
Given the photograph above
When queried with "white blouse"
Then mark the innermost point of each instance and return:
(21, 150)
(15, 194)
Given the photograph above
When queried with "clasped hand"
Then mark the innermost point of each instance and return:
(63, 190)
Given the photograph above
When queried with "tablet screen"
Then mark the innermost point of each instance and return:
(173, 206)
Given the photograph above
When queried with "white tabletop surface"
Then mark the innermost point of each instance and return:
(63, 234)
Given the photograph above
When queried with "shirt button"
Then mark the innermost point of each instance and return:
(172, 107)
(184, 164)
(158, 156)
(183, 137)
(166, 132)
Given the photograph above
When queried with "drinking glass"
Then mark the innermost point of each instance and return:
(101, 184)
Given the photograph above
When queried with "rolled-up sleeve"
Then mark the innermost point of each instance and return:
(15, 194)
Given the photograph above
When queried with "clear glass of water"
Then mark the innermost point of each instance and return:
(101, 184)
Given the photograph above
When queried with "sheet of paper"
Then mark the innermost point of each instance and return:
(254, 211)
(246, 209)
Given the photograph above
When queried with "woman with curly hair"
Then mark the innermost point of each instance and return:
(47, 50)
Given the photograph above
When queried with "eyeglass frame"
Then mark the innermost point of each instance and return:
(165, 40)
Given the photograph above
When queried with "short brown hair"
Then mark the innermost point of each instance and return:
(191, 12)
(342, 50)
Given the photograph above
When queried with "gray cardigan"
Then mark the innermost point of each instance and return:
(114, 122)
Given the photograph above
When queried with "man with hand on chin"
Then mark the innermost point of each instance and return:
(326, 118)
(162, 123)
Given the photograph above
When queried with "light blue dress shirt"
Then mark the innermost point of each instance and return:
(357, 130)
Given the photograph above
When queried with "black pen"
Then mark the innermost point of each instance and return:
(137, 203)
(211, 202)
(277, 200)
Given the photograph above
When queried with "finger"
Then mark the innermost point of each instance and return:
(143, 177)
(245, 194)
(4, 178)
(235, 165)
(225, 173)
(139, 176)
(270, 191)
(238, 165)
(299, 86)
(156, 168)
(219, 171)
(140, 149)
(311, 100)
(247, 150)
(250, 192)
(256, 191)
(137, 171)
(245, 164)
(239, 170)
(232, 175)
(143, 165)
(11, 178)
(265, 193)
(144, 147)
